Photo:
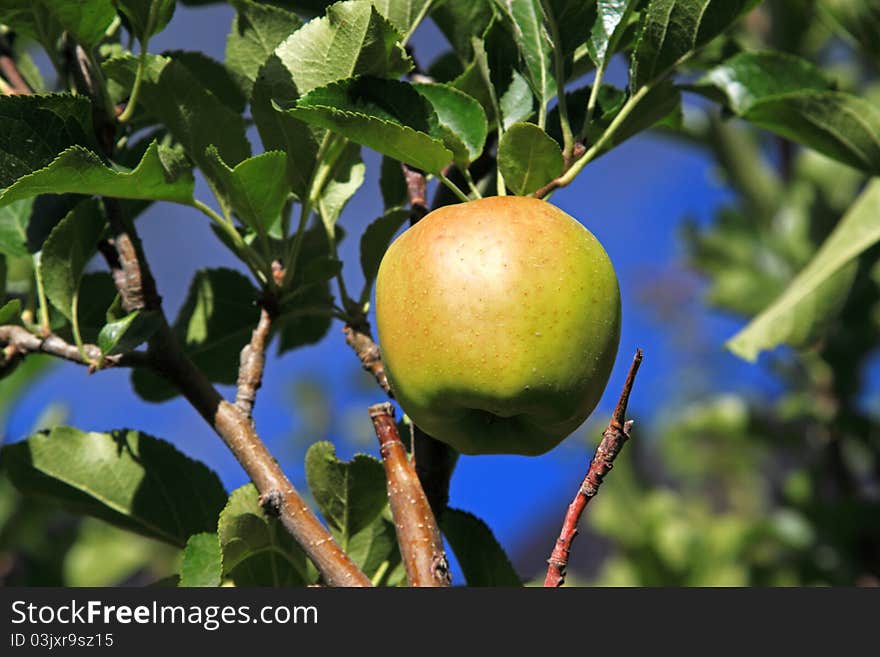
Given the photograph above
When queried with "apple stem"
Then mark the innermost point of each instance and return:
(418, 536)
(613, 438)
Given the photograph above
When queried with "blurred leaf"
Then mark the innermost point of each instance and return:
(792, 98)
(481, 558)
(351, 495)
(146, 17)
(214, 324)
(202, 561)
(35, 128)
(460, 21)
(462, 121)
(673, 29)
(351, 39)
(10, 313)
(323, 269)
(70, 246)
(790, 319)
(375, 241)
(31, 19)
(257, 550)
(574, 20)
(345, 179)
(528, 158)
(14, 219)
(161, 175)
(255, 190)
(858, 18)
(256, 31)
(129, 332)
(86, 20)
(403, 14)
(385, 115)
(127, 478)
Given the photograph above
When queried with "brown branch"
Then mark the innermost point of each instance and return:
(417, 191)
(253, 360)
(361, 341)
(613, 439)
(576, 154)
(20, 342)
(417, 534)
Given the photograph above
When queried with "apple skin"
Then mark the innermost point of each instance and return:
(499, 321)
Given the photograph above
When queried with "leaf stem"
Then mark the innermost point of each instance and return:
(471, 184)
(453, 188)
(45, 327)
(142, 64)
(418, 19)
(591, 103)
(74, 325)
(567, 137)
(254, 261)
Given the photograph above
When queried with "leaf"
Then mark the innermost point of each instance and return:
(160, 176)
(385, 115)
(146, 17)
(792, 98)
(462, 121)
(256, 549)
(345, 179)
(462, 20)
(351, 39)
(321, 269)
(256, 189)
(127, 478)
(481, 558)
(611, 20)
(375, 548)
(86, 20)
(129, 332)
(202, 561)
(10, 313)
(404, 15)
(351, 495)
(859, 19)
(67, 251)
(818, 287)
(214, 76)
(281, 131)
(574, 20)
(214, 324)
(35, 128)
(531, 36)
(193, 115)
(97, 297)
(673, 29)
(256, 31)
(392, 184)
(528, 158)
(14, 219)
(375, 241)
(32, 19)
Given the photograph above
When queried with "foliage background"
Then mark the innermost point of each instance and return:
(738, 474)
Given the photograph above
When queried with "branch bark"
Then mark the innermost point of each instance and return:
(417, 533)
(20, 342)
(613, 439)
(253, 361)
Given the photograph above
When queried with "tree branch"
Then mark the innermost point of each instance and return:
(417, 533)
(20, 342)
(253, 360)
(359, 338)
(613, 439)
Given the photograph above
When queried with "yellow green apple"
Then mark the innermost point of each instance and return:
(498, 321)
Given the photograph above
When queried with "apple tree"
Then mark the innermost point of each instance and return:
(518, 106)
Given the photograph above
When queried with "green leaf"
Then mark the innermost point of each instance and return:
(129, 332)
(214, 76)
(392, 184)
(193, 115)
(202, 561)
(462, 20)
(345, 179)
(375, 241)
(375, 549)
(462, 121)
(528, 158)
(34, 129)
(214, 324)
(574, 20)
(146, 17)
(351, 495)
(818, 288)
(611, 20)
(256, 31)
(404, 15)
(320, 269)
(67, 251)
(481, 558)
(10, 313)
(97, 297)
(256, 549)
(14, 219)
(31, 18)
(673, 29)
(281, 131)
(86, 20)
(160, 176)
(256, 189)
(351, 39)
(530, 34)
(792, 98)
(859, 19)
(127, 478)
(385, 115)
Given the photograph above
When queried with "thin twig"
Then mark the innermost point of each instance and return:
(253, 360)
(417, 533)
(19, 342)
(361, 341)
(613, 439)
(417, 191)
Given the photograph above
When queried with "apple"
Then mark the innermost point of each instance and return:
(498, 322)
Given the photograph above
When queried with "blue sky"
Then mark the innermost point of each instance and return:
(633, 200)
